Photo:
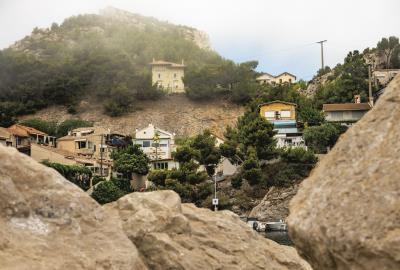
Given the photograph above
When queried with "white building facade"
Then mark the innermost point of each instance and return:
(158, 145)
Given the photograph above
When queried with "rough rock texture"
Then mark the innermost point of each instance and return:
(275, 204)
(171, 235)
(346, 215)
(48, 223)
(175, 113)
(313, 86)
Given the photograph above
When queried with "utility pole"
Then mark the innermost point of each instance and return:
(215, 191)
(101, 156)
(322, 53)
(371, 99)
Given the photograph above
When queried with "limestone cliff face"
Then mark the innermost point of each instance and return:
(175, 113)
(48, 223)
(346, 215)
(275, 204)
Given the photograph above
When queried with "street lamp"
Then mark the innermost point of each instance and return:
(215, 199)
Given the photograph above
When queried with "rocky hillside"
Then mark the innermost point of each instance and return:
(175, 113)
(49, 223)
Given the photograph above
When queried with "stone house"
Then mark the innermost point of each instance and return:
(168, 76)
(283, 116)
(158, 145)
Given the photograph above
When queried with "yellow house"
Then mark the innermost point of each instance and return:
(168, 76)
(278, 110)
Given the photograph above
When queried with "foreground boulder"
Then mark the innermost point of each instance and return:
(48, 223)
(275, 204)
(171, 235)
(346, 215)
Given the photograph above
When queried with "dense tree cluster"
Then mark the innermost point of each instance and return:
(56, 129)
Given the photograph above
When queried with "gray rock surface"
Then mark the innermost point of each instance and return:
(346, 215)
(275, 204)
(48, 223)
(171, 235)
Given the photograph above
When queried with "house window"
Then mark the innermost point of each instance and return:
(280, 80)
(277, 115)
(146, 144)
(285, 114)
(159, 75)
(269, 114)
(174, 75)
(160, 165)
(81, 144)
(290, 80)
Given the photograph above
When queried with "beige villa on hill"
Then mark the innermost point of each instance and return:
(168, 76)
(284, 77)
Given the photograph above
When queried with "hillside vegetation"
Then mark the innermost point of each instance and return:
(104, 56)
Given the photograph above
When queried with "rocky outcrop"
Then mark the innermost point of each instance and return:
(275, 204)
(48, 223)
(346, 215)
(171, 235)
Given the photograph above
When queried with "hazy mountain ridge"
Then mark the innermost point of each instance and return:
(71, 31)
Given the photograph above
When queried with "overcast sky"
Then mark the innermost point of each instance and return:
(280, 34)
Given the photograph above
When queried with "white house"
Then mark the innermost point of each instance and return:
(225, 167)
(158, 145)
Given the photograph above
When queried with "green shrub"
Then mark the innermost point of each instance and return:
(253, 176)
(237, 181)
(204, 190)
(123, 184)
(79, 175)
(49, 127)
(158, 177)
(185, 191)
(106, 192)
(97, 179)
(298, 155)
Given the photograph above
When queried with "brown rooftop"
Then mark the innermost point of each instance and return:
(165, 63)
(346, 107)
(24, 131)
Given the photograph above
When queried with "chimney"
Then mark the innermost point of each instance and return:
(357, 99)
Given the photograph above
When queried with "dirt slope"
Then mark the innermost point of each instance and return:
(174, 113)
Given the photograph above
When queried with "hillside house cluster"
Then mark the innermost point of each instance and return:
(282, 78)
(87, 146)
(168, 76)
